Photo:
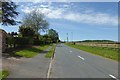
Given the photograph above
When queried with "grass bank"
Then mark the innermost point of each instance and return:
(3, 74)
(108, 53)
(32, 51)
(51, 52)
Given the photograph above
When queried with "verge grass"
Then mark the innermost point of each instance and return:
(3, 74)
(32, 51)
(0, 12)
(50, 54)
(108, 53)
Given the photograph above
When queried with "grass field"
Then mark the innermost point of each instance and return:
(32, 51)
(3, 74)
(108, 53)
(100, 44)
(51, 52)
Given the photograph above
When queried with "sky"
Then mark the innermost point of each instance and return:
(81, 20)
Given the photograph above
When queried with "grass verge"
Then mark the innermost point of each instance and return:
(3, 74)
(0, 12)
(51, 52)
(32, 51)
(108, 53)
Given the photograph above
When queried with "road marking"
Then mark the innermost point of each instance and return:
(70, 51)
(113, 77)
(81, 57)
(49, 69)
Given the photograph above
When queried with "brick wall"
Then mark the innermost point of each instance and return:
(2, 40)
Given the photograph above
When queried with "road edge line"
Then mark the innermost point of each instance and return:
(49, 69)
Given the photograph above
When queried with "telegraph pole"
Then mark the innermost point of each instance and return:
(67, 37)
(71, 36)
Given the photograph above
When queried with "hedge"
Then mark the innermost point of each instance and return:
(21, 41)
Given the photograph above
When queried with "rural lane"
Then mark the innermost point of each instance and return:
(73, 63)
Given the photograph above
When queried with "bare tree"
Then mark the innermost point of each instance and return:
(35, 20)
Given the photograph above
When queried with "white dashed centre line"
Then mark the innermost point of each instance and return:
(113, 77)
(70, 51)
(81, 57)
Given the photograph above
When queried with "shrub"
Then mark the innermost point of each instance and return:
(22, 41)
(10, 40)
(38, 42)
(26, 31)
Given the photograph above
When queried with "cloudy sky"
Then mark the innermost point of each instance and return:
(83, 20)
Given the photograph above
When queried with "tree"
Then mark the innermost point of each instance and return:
(47, 39)
(53, 35)
(26, 31)
(0, 11)
(35, 20)
(13, 34)
(9, 13)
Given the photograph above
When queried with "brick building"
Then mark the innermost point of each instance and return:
(3, 35)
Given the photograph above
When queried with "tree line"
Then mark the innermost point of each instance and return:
(96, 41)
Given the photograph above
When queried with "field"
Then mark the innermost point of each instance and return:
(106, 50)
(111, 45)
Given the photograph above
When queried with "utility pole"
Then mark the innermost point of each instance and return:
(67, 37)
(71, 36)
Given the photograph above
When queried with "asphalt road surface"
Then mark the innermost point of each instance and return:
(73, 63)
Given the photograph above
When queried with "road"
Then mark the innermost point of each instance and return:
(73, 63)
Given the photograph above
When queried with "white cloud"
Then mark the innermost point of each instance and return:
(89, 17)
(44, 6)
(27, 10)
(35, 1)
(100, 18)
(50, 13)
(55, 14)
(66, 6)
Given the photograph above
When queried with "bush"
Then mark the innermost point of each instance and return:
(26, 31)
(23, 41)
(38, 42)
(10, 40)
